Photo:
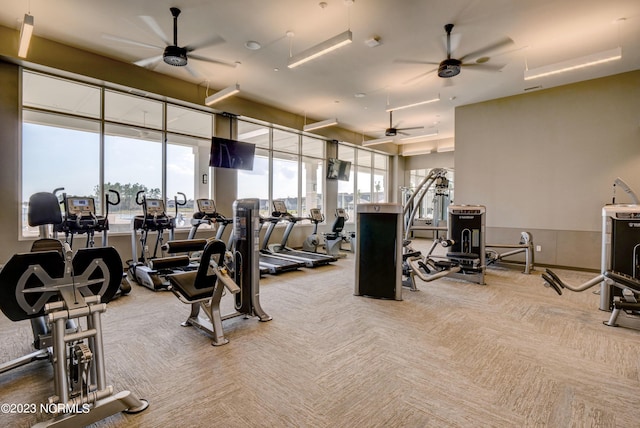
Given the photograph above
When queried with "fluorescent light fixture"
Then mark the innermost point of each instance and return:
(253, 134)
(327, 46)
(221, 95)
(574, 64)
(416, 152)
(445, 149)
(25, 35)
(417, 137)
(321, 124)
(419, 103)
(377, 141)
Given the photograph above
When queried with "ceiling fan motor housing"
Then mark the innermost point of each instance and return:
(175, 55)
(449, 67)
(390, 132)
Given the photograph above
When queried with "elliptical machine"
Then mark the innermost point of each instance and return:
(80, 218)
(147, 269)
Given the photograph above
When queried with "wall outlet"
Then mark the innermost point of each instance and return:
(538, 248)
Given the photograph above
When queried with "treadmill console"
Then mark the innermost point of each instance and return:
(206, 206)
(279, 206)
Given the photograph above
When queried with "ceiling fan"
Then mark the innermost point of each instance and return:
(172, 54)
(450, 67)
(392, 131)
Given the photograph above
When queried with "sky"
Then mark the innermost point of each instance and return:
(56, 157)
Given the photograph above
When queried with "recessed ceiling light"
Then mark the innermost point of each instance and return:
(360, 95)
(252, 45)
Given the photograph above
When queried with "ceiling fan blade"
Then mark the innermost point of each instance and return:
(480, 52)
(419, 77)
(409, 129)
(483, 66)
(413, 61)
(148, 61)
(193, 72)
(205, 43)
(153, 25)
(212, 61)
(130, 42)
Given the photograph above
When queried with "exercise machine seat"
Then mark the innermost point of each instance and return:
(461, 255)
(336, 228)
(47, 244)
(199, 284)
(44, 208)
(625, 280)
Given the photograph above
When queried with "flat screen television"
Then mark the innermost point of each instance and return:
(338, 169)
(232, 154)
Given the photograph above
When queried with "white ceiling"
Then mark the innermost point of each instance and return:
(543, 32)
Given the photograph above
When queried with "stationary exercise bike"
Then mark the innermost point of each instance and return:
(313, 241)
(148, 268)
(331, 241)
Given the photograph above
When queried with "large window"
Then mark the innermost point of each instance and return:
(255, 183)
(346, 189)
(89, 140)
(312, 174)
(285, 180)
(380, 167)
(367, 180)
(55, 156)
(433, 207)
(287, 166)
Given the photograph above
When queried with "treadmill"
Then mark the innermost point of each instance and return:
(273, 263)
(308, 258)
(207, 214)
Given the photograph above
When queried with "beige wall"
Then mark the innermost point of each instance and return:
(546, 161)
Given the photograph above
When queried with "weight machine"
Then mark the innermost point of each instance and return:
(204, 288)
(619, 277)
(64, 296)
